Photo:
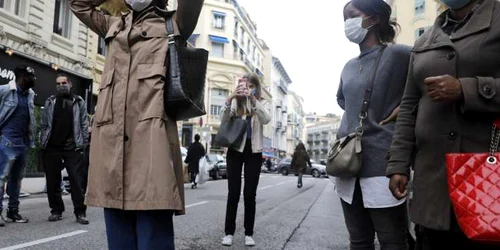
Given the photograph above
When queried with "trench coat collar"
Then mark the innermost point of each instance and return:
(480, 20)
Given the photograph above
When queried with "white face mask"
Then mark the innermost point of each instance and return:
(354, 30)
(138, 5)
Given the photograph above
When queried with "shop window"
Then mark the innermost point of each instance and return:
(62, 19)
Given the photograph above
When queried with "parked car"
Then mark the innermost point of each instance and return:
(317, 170)
(218, 166)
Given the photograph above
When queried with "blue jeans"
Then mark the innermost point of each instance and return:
(139, 230)
(13, 162)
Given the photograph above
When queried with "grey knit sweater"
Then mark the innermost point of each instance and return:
(387, 93)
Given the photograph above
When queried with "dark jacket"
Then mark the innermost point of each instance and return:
(195, 152)
(300, 160)
(80, 122)
(427, 130)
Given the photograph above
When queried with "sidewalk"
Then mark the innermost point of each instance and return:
(323, 227)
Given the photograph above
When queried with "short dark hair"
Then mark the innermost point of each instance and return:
(386, 29)
(197, 138)
(21, 70)
(64, 75)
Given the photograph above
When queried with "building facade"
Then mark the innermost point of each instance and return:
(45, 35)
(280, 82)
(226, 30)
(414, 17)
(295, 122)
(319, 137)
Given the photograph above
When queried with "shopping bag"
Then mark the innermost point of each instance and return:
(203, 175)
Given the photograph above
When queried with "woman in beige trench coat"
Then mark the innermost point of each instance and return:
(135, 162)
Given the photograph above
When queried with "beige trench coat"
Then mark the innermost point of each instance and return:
(135, 160)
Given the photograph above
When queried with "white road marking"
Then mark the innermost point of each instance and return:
(281, 183)
(192, 205)
(38, 242)
(266, 187)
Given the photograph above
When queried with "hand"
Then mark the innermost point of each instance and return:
(398, 186)
(443, 88)
(391, 118)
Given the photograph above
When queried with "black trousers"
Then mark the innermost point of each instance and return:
(193, 177)
(235, 162)
(53, 165)
(390, 224)
(428, 239)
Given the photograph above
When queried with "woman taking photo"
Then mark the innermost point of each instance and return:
(245, 102)
(299, 163)
(379, 72)
(135, 165)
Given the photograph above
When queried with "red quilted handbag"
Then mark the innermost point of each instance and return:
(474, 187)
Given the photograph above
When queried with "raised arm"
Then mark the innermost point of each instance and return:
(94, 19)
(187, 15)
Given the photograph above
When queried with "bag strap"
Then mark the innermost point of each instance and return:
(495, 142)
(368, 92)
(172, 50)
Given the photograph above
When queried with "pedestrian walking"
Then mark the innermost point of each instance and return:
(300, 160)
(64, 136)
(135, 169)
(17, 130)
(269, 164)
(451, 100)
(370, 91)
(195, 152)
(249, 153)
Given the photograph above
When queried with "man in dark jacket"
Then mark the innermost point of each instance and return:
(195, 152)
(64, 137)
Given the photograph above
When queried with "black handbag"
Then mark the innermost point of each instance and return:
(231, 133)
(184, 91)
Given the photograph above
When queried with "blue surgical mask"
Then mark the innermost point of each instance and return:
(456, 4)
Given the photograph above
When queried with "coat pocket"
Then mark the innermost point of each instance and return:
(151, 83)
(104, 109)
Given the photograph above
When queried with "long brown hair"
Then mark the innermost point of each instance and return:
(300, 150)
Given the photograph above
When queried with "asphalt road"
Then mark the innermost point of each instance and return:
(287, 218)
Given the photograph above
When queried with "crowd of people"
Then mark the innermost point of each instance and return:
(437, 97)
(63, 138)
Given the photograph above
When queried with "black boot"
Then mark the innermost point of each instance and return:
(14, 216)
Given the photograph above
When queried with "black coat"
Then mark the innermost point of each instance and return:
(195, 152)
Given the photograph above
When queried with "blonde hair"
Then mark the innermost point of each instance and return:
(114, 7)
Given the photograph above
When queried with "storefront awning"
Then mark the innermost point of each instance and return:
(218, 39)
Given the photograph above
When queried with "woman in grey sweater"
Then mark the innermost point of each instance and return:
(368, 205)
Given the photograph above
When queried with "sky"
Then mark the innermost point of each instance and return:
(308, 38)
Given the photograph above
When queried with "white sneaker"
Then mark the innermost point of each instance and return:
(227, 240)
(249, 241)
